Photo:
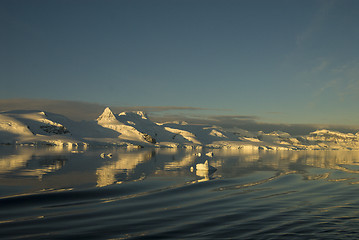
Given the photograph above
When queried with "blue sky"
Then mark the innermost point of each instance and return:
(280, 61)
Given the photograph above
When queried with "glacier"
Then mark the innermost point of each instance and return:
(134, 129)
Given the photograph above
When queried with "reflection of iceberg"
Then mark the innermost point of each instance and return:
(205, 175)
(126, 163)
(204, 170)
(205, 167)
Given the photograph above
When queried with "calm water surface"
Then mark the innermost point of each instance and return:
(50, 193)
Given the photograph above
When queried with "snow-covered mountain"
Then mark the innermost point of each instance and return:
(135, 129)
(326, 139)
(34, 127)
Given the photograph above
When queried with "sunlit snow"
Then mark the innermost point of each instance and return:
(136, 130)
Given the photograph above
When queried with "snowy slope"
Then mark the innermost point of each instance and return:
(326, 139)
(125, 131)
(35, 127)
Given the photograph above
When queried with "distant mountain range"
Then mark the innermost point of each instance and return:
(133, 129)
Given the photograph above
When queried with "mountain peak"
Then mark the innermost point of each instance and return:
(134, 114)
(107, 115)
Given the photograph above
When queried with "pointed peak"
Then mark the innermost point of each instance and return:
(107, 109)
(107, 115)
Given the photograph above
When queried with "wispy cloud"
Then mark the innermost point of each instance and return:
(317, 22)
(349, 80)
(71, 109)
(321, 65)
(344, 81)
(332, 83)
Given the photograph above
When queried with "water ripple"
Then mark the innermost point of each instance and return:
(254, 201)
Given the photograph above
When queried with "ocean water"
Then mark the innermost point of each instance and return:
(105, 193)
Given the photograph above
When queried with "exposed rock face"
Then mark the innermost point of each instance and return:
(148, 138)
(54, 129)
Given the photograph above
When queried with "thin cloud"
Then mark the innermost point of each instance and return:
(72, 109)
(78, 111)
(165, 108)
(252, 123)
(321, 66)
(326, 86)
(345, 81)
(316, 23)
(234, 117)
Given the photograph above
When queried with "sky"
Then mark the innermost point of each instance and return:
(278, 61)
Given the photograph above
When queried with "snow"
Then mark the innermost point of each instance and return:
(107, 116)
(204, 170)
(209, 154)
(217, 133)
(134, 129)
(202, 166)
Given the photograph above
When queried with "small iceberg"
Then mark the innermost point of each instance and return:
(209, 154)
(205, 167)
(103, 155)
(204, 170)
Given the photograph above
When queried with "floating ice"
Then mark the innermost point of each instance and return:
(209, 154)
(205, 167)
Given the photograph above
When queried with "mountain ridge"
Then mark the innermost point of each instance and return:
(136, 129)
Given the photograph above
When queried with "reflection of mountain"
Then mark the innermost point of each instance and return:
(125, 164)
(13, 162)
(30, 162)
(44, 167)
(35, 163)
(131, 166)
(236, 163)
(333, 160)
(186, 161)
